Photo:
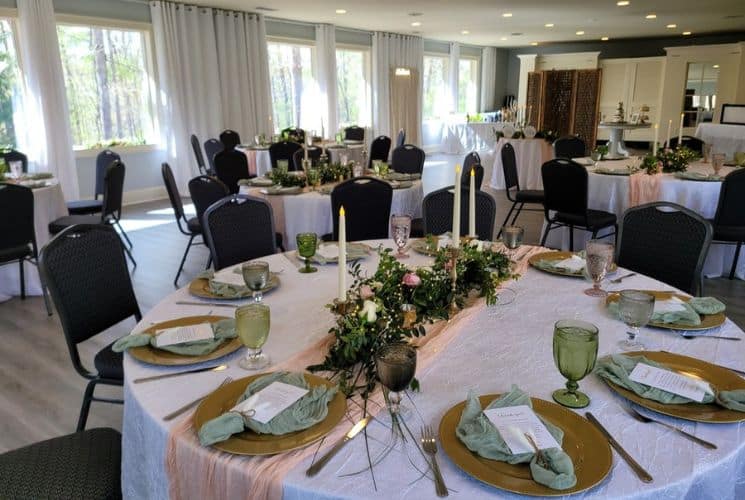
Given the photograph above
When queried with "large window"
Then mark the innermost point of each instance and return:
(435, 84)
(293, 86)
(468, 85)
(9, 78)
(353, 87)
(108, 85)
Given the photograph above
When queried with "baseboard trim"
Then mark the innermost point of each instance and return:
(143, 195)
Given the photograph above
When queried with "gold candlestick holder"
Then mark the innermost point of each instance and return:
(453, 308)
(343, 307)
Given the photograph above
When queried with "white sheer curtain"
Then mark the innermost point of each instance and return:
(453, 76)
(47, 139)
(326, 76)
(488, 78)
(390, 51)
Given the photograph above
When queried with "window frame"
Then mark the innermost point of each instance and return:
(477, 60)
(367, 55)
(446, 58)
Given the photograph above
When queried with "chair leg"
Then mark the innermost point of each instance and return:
(571, 238)
(23, 279)
(44, 293)
(123, 233)
(183, 259)
(506, 219)
(209, 262)
(545, 235)
(734, 262)
(86, 406)
(129, 254)
(520, 209)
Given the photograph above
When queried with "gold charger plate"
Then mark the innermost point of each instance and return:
(251, 443)
(708, 321)
(588, 449)
(149, 354)
(560, 256)
(421, 246)
(719, 377)
(200, 287)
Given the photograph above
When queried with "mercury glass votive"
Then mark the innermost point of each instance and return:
(408, 311)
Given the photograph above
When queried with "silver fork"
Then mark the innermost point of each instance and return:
(621, 278)
(429, 443)
(645, 419)
(184, 408)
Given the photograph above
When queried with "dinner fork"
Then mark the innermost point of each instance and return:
(429, 443)
(621, 278)
(645, 419)
(181, 410)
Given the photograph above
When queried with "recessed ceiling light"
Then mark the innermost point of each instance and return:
(464, 32)
(623, 3)
(416, 23)
(671, 26)
(341, 11)
(716, 66)
(580, 33)
(507, 14)
(549, 25)
(533, 43)
(604, 39)
(686, 33)
(504, 38)
(651, 16)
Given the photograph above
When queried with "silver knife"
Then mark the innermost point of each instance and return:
(208, 304)
(316, 467)
(184, 408)
(638, 469)
(214, 368)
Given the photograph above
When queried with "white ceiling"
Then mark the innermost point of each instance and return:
(446, 19)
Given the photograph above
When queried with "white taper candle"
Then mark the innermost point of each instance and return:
(456, 208)
(342, 296)
(472, 204)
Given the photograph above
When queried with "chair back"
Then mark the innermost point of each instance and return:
(239, 228)
(478, 173)
(230, 167)
(437, 212)
(211, 148)
(379, 149)
(204, 191)
(103, 160)
(731, 206)
(509, 167)
(570, 147)
(197, 148)
(401, 138)
(113, 191)
(408, 159)
(314, 153)
(294, 134)
(692, 143)
(86, 272)
(230, 139)
(13, 155)
(367, 203)
(172, 189)
(283, 150)
(17, 229)
(564, 186)
(667, 242)
(354, 133)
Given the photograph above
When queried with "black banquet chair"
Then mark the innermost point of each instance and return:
(86, 272)
(729, 220)
(283, 150)
(84, 465)
(569, 147)
(380, 148)
(472, 161)
(518, 197)
(437, 212)
(408, 159)
(10, 155)
(197, 148)
(692, 143)
(239, 228)
(94, 206)
(367, 203)
(294, 134)
(314, 154)
(565, 187)
(211, 148)
(18, 233)
(667, 242)
(401, 138)
(354, 133)
(231, 165)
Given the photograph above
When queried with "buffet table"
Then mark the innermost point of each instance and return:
(530, 155)
(500, 345)
(461, 138)
(260, 162)
(727, 139)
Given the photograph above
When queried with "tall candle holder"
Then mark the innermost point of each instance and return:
(454, 253)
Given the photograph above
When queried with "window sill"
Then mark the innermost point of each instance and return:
(143, 148)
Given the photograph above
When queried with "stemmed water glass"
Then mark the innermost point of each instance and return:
(401, 229)
(252, 323)
(512, 238)
(635, 309)
(599, 258)
(395, 364)
(575, 353)
(256, 277)
(306, 248)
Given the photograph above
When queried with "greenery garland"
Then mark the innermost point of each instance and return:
(328, 173)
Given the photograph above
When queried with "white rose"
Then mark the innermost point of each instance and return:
(478, 244)
(369, 311)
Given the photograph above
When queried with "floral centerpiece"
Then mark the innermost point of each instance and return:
(675, 160)
(328, 173)
(651, 164)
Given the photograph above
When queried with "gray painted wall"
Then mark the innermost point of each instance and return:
(143, 171)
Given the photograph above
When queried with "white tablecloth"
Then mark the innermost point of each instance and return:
(530, 154)
(727, 139)
(461, 138)
(611, 194)
(497, 347)
(260, 162)
(49, 204)
(311, 212)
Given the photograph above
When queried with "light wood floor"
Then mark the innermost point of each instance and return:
(40, 393)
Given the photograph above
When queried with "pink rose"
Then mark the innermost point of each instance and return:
(412, 280)
(366, 292)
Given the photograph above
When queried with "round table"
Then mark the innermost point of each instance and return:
(461, 138)
(530, 155)
(494, 348)
(260, 162)
(617, 148)
(725, 139)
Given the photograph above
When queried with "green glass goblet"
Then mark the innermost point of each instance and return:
(575, 353)
(306, 248)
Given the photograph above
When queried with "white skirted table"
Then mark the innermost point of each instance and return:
(461, 138)
(493, 348)
(260, 162)
(726, 139)
(530, 154)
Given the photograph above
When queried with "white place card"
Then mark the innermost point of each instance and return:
(672, 304)
(230, 276)
(572, 264)
(669, 381)
(182, 334)
(271, 401)
(513, 422)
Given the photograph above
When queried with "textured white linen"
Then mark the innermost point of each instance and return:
(326, 77)
(488, 99)
(47, 139)
(499, 346)
(727, 139)
(611, 194)
(49, 204)
(530, 154)
(462, 138)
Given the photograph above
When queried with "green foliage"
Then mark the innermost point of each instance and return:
(8, 85)
(676, 160)
(651, 164)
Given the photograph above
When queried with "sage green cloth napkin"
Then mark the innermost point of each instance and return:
(688, 316)
(225, 290)
(551, 265)
(618, 367)
(698, 176)
(481, 437)
(224, 330)
(303, 413)
(707, 305)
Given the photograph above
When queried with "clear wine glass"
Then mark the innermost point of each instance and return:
(396, 365)
(306, 248)
(401, 230)
(512, 238)
(575, 353)
(598, 261)
(252, 324)
(256, 277)
(635, 309)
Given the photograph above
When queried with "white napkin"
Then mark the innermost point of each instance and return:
(670, 305)
(329, 251)
(229, 277)
(573, 264)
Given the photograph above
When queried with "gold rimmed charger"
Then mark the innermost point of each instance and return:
(251, 443)
(200, 287)
(149, 354)
(423, 247)
(558, 256)
(588, 449)
(720, 378)
(708, 321)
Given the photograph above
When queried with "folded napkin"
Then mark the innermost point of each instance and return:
(224, 330)
(226, 290)
(618, 367)
(698, 176)
(400, 176)
(614, 171)
(679, 311)
(40, 176)
(707, 305)
(573, 264)
(481, 437)
(303, 413)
